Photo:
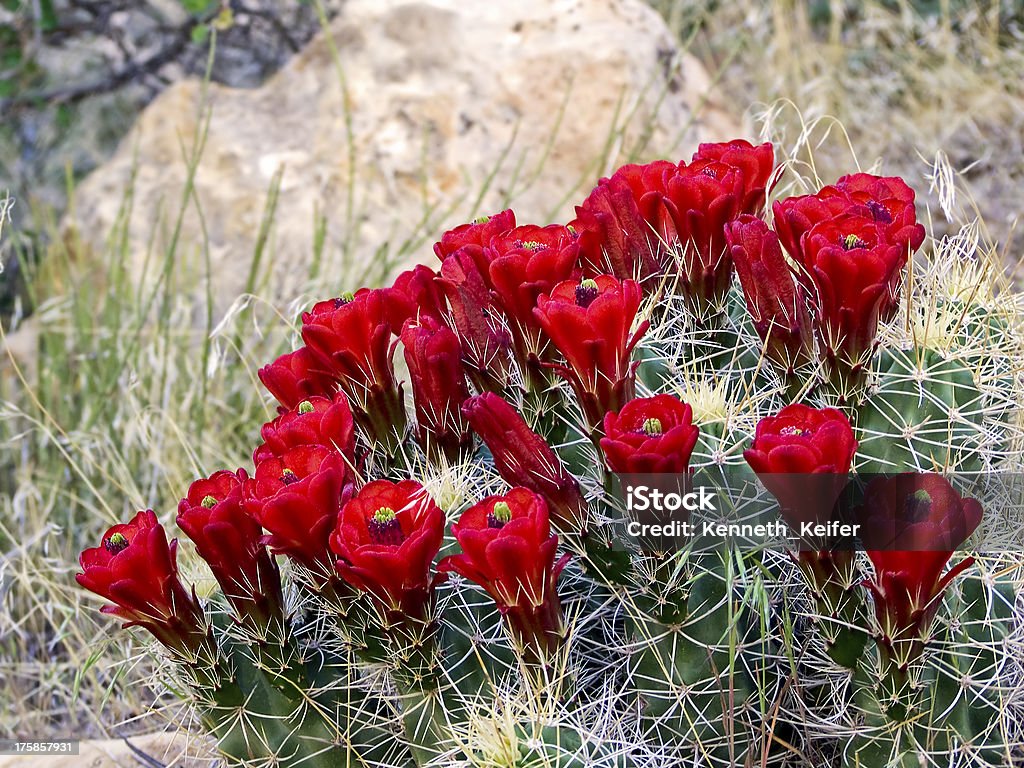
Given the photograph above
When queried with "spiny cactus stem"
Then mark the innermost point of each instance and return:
(426, 728)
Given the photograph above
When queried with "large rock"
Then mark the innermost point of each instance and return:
(428, 112)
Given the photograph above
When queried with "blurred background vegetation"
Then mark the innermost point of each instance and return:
(125, 403)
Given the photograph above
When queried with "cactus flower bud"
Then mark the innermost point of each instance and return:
(136, 570)
(509, 550)
(776, 306)
(486, 342)
(434, 356)
(650, 435)
(212, 514)
(386, 538)
(523, 458)
(591, 325)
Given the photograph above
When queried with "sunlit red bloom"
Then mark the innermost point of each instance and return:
(509, 550)
(413, 294)
(523, 458)
(477, 233)
(353, 334)
(297, 375)
(524, 263)
(387, 537)
(793, 447)
(313, 421)
(434, 357)
(911, 524)
(136, 570)
(613, 233)
(754, 163)
(591, 323)
(486, 342)
(851, 266)
(296, 496)
(650, 435)
(231, 542)
(775, 304)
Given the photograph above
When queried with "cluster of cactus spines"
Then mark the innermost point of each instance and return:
(387, 600)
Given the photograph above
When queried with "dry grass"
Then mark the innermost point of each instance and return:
(125, 407)
(905, 81)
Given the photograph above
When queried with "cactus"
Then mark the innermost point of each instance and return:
(429, 615)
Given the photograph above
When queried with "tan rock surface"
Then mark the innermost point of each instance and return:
(414, 106)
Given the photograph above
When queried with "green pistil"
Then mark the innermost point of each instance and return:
(346, 298)
(796, 432)
(288, 477)
(499, 516)
(586, 292)
(116, 542)
(209, 502)
(481, 219)
(533, 245)
(306, 407)
(918, 505)
(652, 426)
(384, 515)
(851, 241)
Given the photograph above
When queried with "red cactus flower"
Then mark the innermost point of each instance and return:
(886, 201)
(590, 323)
(891, 204)
(523, 458)
(352, 333)
(911, 524)
(650, 435)
(795, 216)
(434, 357)
(524, 263)
(852, 267)
(136, 570)
(777, 308)
(613, 233)
(230, 541)
(387, 537)
(486, 341)
(755, 165)
(803, 456)
(699, 200)
(313, 421)
(413, 294)
(297, 375)
(509, 550)
(296, 497)
(478, 233)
